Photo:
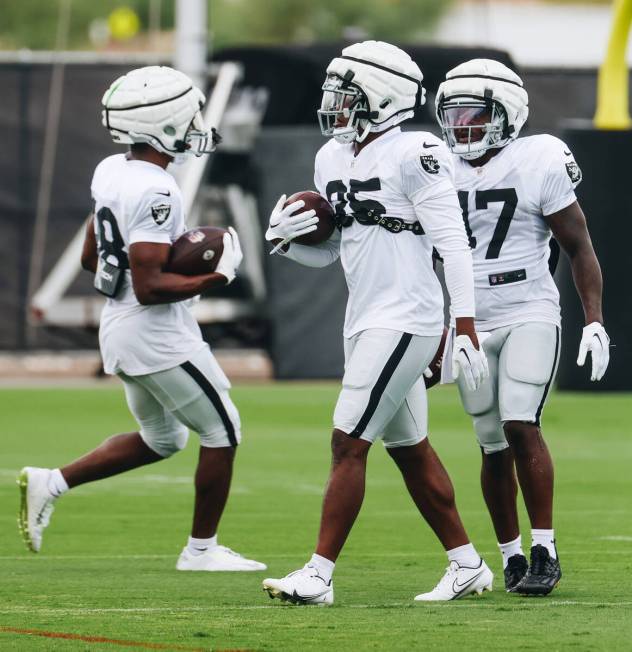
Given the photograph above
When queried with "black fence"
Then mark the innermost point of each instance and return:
(300, 319)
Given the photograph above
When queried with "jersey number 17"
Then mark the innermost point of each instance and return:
(482, 199)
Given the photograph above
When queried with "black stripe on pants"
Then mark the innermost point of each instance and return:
(214, 397)
(380, 385)
(547, 387)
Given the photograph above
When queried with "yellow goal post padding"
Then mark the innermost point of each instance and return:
(612, 84)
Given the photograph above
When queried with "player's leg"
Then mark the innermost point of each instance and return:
(527, 366)
(430, 487)
(425, 476)
(212, 485)
(196, 394)
(380, 367)
(160, 436)
(498, 477)
(344, 493)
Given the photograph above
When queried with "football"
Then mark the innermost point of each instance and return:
(197, 251)
(325, 213)
(435, 364)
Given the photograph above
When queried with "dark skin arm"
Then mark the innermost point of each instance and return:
(147, 261)
(571, 231)
(465, 326)
(152, 285)
(89, 252)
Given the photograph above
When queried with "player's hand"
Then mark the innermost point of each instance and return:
(285, 227)
(231, 256)
(469, 361)
(596, 340)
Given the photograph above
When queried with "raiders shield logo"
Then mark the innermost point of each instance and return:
(160, 213)
(574, 172)
(430, 164)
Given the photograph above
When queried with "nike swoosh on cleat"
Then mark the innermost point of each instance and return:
(296, 596)
(427, 145)
(465, 586)
(166, 194)
(567, 153)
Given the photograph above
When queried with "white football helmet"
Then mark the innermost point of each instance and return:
(481, 105)
(159, 106)
(370, 87)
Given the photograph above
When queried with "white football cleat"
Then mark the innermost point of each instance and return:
(460, 581)
(36, 505)
(304, 586)
(218, 558)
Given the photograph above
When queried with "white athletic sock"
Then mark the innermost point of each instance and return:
(544, 538)
(57, 484)
(200, 546)
(465, 556)
(324, 566)
(510, 549)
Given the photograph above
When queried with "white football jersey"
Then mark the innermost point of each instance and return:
(137, 201)
(503, 205)
(390, 275)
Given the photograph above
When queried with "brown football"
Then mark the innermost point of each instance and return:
(197, 251)
(325, 213)
(437, 361)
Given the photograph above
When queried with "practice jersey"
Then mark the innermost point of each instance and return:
(503, 204)
(389, 274)
(137, 201)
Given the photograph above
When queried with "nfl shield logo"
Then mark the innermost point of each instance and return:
(160, 213)
(195, 236)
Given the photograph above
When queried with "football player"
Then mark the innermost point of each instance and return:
(515, 193)
(148, 336)
(394, 199)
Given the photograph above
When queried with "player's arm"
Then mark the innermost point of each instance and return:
(152, 285)
(571, 231)
(440, 217)
(428, 184)
(89, 254)
(430, 189)
(567, 222)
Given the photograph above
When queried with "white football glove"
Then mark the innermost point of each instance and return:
(231, 256)
(596, 340)
(469, 361)
(285, 226)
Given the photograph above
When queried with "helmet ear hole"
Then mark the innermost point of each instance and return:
(169, 130)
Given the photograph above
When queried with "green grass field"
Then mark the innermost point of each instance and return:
(107, 566)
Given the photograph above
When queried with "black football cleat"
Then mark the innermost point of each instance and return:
(517, 566)
(543, 575)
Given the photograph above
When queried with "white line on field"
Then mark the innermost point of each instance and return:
(464, 604)
(615, 538)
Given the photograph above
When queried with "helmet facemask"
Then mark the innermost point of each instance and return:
(472, 125)
(197, 139)
(344, 111)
